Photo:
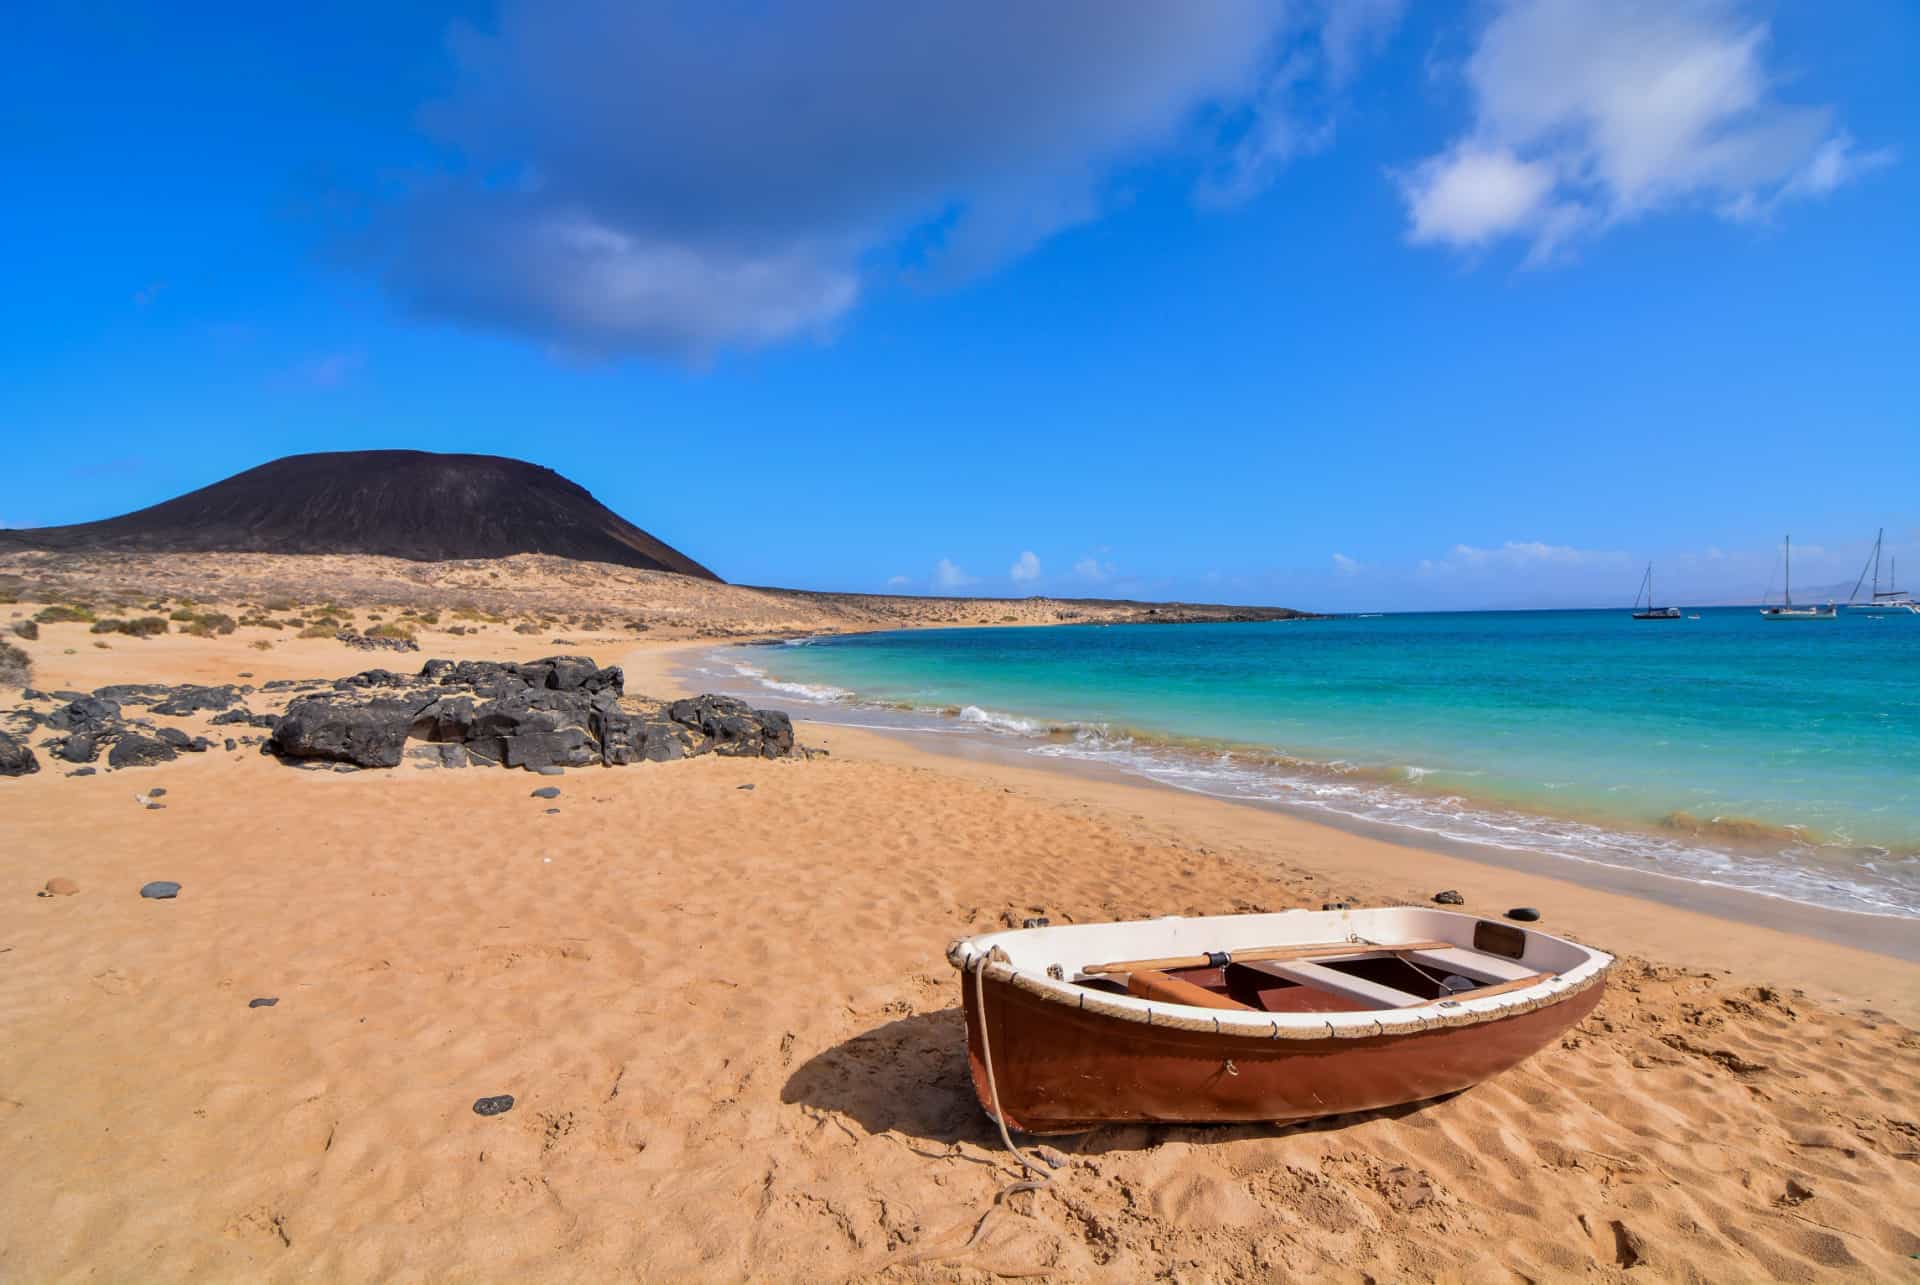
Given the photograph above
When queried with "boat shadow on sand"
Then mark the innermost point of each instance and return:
(909, 1077)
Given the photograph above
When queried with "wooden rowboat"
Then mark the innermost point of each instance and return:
(1258, 1017)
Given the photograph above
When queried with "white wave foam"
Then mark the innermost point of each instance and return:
(1341, 788)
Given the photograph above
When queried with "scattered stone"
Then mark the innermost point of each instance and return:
(265, 1001)
(157, 792)
(747, 786)
(135, 750)
(60, 888)
(552, 811)
(362, 642)
(494, 1106)
(1524, 914)
(1450, 897)
(547, 792)
(548, 770)
(1037, 921)
(160, 890)
(83, 771)
(232, 744)
(175, 737)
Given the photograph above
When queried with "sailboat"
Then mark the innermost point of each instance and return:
(1787, 611)
(1651, 612)
(1890, 601)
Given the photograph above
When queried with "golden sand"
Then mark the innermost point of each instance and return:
(736, 1049)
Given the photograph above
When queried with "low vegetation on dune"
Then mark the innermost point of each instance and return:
(138, 627)
(16, 667)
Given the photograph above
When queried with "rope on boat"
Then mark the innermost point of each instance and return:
(1044, 1177)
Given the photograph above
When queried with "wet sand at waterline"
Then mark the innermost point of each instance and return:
(735, 1048)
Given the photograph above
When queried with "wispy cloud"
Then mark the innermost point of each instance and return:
(330, 370)
(1344, 565)
(899, 582)
(1025, 568)
(1518, 555)
(1093, 569)
(1590, 114)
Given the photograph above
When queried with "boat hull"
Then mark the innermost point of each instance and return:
(1064, 1070)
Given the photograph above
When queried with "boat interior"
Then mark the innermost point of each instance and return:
(1327, 977)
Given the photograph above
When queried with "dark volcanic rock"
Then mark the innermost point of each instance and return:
(364, 642)
(17, 757)
(735, 728)
(80, 747)
(84, 714)
(449, 718)
(188, 699)
(369, 734)
(160, 890)
(403, 504)
(136, 750)
(232, 716)
(134, 693)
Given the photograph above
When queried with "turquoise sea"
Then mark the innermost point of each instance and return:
(1779, 758)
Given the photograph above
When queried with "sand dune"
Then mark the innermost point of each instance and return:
(736, 1050)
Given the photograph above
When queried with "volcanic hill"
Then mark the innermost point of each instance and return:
(418, 505)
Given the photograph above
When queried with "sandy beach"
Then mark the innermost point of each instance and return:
(735, 1048)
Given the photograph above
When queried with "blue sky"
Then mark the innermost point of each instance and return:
(1361, 306)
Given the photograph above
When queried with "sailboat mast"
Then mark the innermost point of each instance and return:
(1789, 589)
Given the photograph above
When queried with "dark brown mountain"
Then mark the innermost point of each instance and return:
(401, 504)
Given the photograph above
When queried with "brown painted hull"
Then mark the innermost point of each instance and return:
(1065, 1070)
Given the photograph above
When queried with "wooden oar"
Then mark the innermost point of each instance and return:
(1263, 953)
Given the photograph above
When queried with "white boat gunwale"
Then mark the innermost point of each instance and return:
(1027, 956)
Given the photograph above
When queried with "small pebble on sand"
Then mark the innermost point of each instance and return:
(547, 792)
(1524, 914)
(748, 786)
(494, 1106)
(160, 890)
(265, 1001)
(60, 888)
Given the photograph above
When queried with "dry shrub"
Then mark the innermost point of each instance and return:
(60, 612)
(16, 667)
(390, 630)
(138, 627)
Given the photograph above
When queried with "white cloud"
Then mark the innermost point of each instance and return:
(948, 576)
(1587, 114)
(1471, 194)
(1517, 555)
(899, 582)
(1025, 567)
(1091, 568)
(1344, 565)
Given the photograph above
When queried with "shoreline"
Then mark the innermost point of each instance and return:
(1033, 739)
(1664, 917)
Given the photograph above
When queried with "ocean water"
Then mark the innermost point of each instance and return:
(1778, 758)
